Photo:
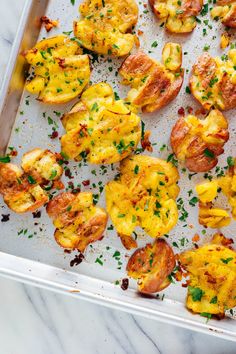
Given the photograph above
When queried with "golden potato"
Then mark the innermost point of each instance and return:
(199, 142)
(106, 26)
(212, 272)
(151, 266)
(144, 196)
(98, 126)
(213, 81)
(41, 165)
(178, 16)
(209, 215)
(153, 85)
(78, 222)
(22, 189)
(60, 70)
(225, 11)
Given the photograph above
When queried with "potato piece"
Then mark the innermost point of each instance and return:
(153, 85)
(22, 189)
(197, 142)
(144, 196)
(213, 217)
(178, 16)
(151, 266)
(60, 71)
(41, 165)
(77, 220)
(212, 272)
(105, 25)
(213, 81)
(226, 12)
(209, 215)
(103, 129)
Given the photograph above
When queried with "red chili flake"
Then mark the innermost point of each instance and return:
(5, 217)
(36, 214)
(145, 142)
(68, 173)
(13, 152)
(86, 182)
(54, 135)
(67, 251)
(77, 260)
(190, 110)
(181, 111)
(61, 62)
(140, 33)
(124, 284)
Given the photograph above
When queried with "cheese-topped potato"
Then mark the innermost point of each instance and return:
(144, 195)
(209, 215)
(199, 142)
(213, 81)
(212, 277)
(77, 220)
(23, 189)
(151, 266)
(103, 129)
(60, 70)
(225, 10)
(153, 85)
(107, 25)
(178, 16)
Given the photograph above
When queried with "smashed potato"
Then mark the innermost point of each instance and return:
(178, 16)
(22, 189)
(144, 195)
(60, 70)
(106, 26)
(77, 220)
(209, 215)
(153, 85)
(225, 10)
(152, 265)
(213, 81)
(212, 272)
(199, 142)
(103, 129)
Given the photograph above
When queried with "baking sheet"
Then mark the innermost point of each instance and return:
(31, 238)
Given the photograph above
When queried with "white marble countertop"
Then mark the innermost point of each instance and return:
(41, 322)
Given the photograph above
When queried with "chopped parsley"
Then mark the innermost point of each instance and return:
(196, 293)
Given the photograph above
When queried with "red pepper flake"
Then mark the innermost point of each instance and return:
(124, 284)
(190, 110)
(77, 260)
(54, 135)
(13, 152)
(86, 182)
(181, 111)
(68, 173)
(140, 33)
(61, 62)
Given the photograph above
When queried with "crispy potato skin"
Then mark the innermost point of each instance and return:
(226, 11)
(151, 265)
(22, 188)
(78, 222)
(192, 137)
(209, 215)
(178, 17)
(213, 81)
(133, 199)
(153, 85)
(105, 34)
(63, 72)
(103, 128)
(212, 269)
